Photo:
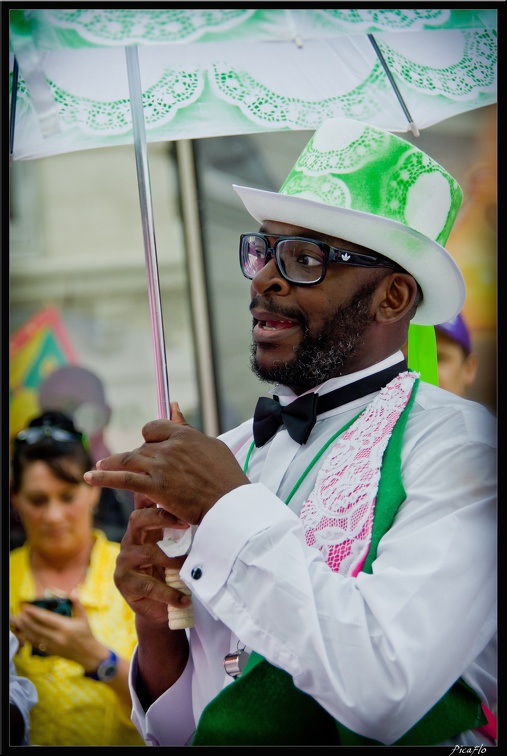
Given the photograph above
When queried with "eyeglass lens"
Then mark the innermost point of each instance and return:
(299, 260)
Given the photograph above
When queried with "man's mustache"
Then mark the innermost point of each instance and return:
(265, 304)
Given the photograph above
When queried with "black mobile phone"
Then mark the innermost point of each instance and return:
(56, 604)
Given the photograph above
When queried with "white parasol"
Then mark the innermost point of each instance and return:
(89, 77)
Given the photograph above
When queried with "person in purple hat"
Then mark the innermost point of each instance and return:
(457, 363)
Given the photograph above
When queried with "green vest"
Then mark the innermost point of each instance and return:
(264, 707)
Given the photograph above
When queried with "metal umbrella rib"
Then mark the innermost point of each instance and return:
(411, 123)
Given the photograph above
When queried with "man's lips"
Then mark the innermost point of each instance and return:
(268, 323)
(274, 325)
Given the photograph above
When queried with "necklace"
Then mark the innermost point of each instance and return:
(51, 582)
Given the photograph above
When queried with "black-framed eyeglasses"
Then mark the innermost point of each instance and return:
(299, 260)
(37, 433)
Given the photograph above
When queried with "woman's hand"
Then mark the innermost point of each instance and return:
(57, 635)
(72, 638)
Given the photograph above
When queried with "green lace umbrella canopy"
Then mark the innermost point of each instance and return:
(213, 72)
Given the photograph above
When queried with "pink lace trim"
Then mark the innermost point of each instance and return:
(338, 515)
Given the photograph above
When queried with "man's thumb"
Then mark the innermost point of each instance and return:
(176, 414)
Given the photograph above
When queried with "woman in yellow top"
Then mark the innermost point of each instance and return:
(79, 664)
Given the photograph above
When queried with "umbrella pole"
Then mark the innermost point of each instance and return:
(411, 123)
(150, 247)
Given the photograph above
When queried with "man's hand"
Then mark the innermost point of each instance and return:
(181, 469)
(140, 577)
(140, 566)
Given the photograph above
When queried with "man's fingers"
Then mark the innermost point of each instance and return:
(144, 557)
(138, 482)
(133, 575)
(138, 586)
(162, 430)
(141, 501)
(129, 470)
(147, 519)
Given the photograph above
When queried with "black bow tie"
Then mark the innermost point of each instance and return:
(300, 415)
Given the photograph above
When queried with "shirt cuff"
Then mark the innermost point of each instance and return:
(152, 724)
(223, 533)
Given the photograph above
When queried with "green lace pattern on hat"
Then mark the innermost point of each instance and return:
(370, 145)
(374, 173)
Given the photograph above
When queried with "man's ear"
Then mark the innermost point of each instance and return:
(399, 292)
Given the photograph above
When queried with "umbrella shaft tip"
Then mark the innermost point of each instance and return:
(413, 128)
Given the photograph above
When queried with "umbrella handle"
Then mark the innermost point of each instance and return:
(183, 617)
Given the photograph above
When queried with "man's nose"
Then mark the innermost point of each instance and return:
(269, 278)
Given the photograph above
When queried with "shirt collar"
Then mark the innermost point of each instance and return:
(286, 394)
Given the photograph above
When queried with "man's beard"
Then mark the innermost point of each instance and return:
(318, 358)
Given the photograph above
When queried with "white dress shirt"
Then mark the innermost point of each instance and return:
(376, 651)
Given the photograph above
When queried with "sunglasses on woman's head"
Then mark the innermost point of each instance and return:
(37, 433)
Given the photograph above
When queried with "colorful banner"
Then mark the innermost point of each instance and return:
(36, 349)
